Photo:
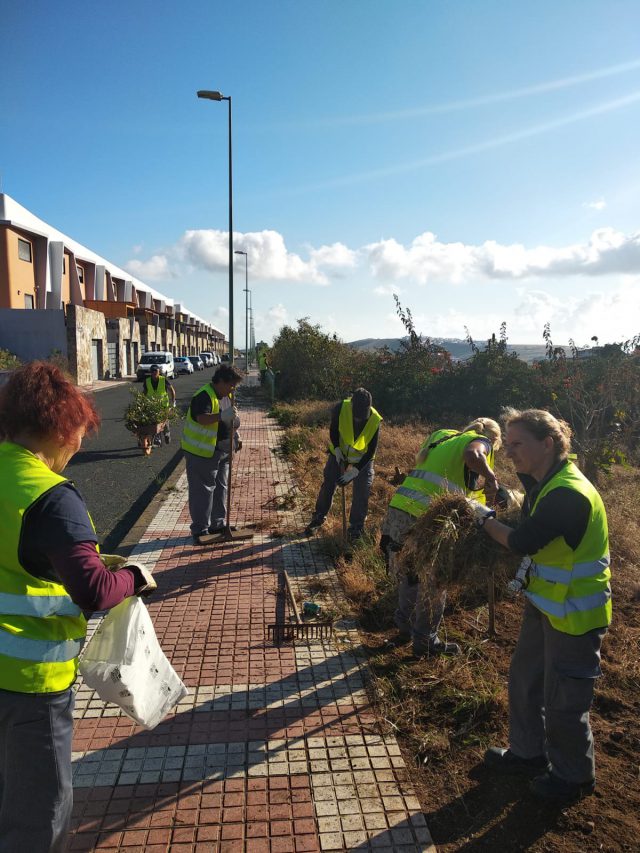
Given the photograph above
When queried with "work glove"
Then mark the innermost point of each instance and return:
(339, 455)
(113, 561)
(481, 512)
(228, 415)
(350, 474)
(148, 585)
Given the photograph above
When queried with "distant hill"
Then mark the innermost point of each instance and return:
(459, 349)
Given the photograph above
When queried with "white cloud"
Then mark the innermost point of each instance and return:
(269, 324)
(156, 268)
(387, 290)
(335, 257)
(599, 204)
(267, 255)
(427, 259)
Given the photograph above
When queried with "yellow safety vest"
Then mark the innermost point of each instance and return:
(441, 471)
(41, 629)
(160, 391)
(353, 449)
(200, 439)
(572, 587)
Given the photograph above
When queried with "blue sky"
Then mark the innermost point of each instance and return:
(478, 158)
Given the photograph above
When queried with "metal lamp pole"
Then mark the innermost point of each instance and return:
(246, 307)
(209, 95)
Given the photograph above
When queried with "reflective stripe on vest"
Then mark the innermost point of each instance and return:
(571, 605)
(353, 449)
(436, 479)
(200, 439)
(571, 586)
(41, 629)
(41, 651)
(580, 570)
(38, 605)
(442, 470)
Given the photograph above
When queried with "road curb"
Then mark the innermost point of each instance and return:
(134, 534)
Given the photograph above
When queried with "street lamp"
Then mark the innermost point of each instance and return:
(251, 329)
(246, 307)
(209, 95)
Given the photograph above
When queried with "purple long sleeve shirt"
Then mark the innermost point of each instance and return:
(58, 543)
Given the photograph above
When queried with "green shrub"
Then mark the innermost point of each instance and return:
(146, 410)
(8, 361)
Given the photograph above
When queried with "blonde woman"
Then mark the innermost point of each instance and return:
(448, 461)
(564, 540)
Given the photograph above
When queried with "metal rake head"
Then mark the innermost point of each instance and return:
(280, 632)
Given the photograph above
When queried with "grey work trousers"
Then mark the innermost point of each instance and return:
(208, 480)
(359, 501)
(419, 611)
(36, 792)
(551, 686)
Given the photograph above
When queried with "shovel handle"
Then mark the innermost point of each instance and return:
(292, 600)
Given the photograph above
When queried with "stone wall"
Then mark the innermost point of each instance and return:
(83, 327)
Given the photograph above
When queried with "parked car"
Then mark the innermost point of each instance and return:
(164, 360)
(207, 359)
(182, 364)
(196, 361)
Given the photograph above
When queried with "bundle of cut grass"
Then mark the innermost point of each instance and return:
(445, 548)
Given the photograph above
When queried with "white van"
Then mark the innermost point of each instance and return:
(164, 360)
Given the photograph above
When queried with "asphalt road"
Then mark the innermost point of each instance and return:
(114, 476)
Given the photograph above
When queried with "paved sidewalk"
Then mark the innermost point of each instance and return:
(276, 748)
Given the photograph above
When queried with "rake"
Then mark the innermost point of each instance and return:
(298, 630)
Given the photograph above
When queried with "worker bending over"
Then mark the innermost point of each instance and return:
(448, 461)
(353, 433)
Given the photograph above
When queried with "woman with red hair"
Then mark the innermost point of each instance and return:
(50, 575)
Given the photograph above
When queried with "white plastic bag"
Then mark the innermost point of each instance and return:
(124, 664)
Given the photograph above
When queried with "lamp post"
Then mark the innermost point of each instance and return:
(251, 329)
(246, 307)
(209, 95)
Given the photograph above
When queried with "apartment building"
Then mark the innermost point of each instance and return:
(57, 296)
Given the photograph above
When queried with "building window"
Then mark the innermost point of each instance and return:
(80, 273)
(24, 250)
(28, 300)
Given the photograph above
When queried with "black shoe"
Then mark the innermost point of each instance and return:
(400, 638)
(311, 529)
(552, 787)
(167, 438)
(507, 762)
(437, 647)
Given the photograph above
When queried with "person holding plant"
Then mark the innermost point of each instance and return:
(353, 434)
(448, 461)
(207, 463)
(159, 386)
(50, 574)
(565, 574)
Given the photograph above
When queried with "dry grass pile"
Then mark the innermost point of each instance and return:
(306, 413)
(445, 548)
